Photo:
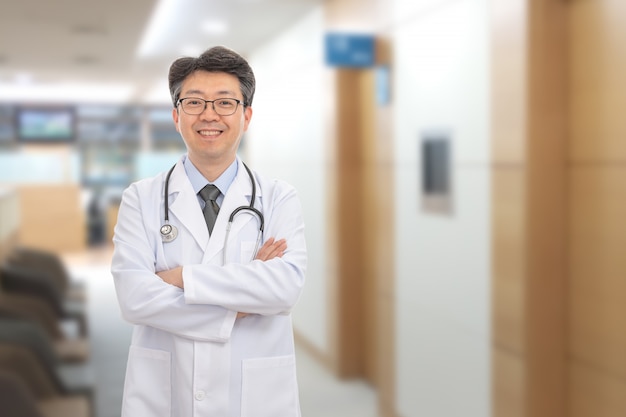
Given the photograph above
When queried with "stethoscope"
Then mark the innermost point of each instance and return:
(170, 232)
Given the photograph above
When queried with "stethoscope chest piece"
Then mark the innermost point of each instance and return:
(168, 232)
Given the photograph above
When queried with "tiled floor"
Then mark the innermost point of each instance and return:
(321, 394)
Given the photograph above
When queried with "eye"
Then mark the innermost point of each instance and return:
(194, 102)
(225, 103)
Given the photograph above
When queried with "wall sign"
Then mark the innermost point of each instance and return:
(349, 50)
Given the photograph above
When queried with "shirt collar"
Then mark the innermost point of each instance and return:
(198, 181)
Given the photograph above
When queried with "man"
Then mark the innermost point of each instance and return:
(213, 333)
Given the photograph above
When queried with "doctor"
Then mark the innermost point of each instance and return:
(212, 329)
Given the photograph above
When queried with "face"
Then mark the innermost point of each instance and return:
(212, 140)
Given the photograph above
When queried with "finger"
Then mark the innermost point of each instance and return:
(280, 246)
(277, 249)
(265, 249)
(272, 249)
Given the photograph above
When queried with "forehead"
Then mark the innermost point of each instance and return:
(211, 83)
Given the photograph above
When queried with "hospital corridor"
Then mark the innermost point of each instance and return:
(449, 175)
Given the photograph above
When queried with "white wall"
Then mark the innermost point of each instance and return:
(286, 141)
(442, 261)
(442, 291)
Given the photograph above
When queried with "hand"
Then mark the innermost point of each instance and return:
(173, 276)
(272, 249)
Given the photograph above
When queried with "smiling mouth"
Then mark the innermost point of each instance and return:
(210, 133)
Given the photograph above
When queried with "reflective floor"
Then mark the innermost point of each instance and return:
(321, 394)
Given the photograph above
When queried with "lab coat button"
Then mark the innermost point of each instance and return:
(200, 395)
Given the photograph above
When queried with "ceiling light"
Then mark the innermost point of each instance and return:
(72, 92)
(159, 25)
(24, 78)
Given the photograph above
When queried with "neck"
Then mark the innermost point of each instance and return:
(210, 169)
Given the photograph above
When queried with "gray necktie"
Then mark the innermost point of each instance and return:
(209, 194)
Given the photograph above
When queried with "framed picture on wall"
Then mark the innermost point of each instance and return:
(435, 156)
(45, 124)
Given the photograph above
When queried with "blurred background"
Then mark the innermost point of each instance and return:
(461, 164)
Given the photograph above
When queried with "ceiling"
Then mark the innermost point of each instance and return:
(93, 43)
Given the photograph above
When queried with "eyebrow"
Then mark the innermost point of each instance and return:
(219, 93)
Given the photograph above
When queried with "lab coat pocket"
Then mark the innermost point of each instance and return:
(247, 251)
(269, 387)
(147, 390)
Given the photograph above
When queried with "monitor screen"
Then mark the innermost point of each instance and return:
(45, 124)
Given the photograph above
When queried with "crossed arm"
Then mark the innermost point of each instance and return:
(270, 250)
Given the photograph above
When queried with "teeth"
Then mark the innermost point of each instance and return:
(209, 132)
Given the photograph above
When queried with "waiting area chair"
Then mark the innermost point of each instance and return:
(28, 274)
(45, 368)
(25, 390)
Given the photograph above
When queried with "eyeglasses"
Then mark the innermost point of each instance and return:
(221, 106)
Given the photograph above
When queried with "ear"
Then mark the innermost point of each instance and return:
(247, 115)
(175, 116)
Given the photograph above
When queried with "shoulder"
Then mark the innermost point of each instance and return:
(274, 188)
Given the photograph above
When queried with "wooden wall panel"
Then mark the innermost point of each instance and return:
(508, 78)
(594, 393)
(361, 209)
(508, 384)
(387, 357)
(9, 221)
(598, 64)
(528, 212)
(597, 203)
(598, 268)
(546, 280)
(349, 235)
(52, 218)
(508, 267)
(112, 212)
(381, 158)
(508, 37)
(367, 15)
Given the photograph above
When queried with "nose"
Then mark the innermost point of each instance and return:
(209, 112)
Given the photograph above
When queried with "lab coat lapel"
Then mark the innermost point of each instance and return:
(185, 207)
(238, 195)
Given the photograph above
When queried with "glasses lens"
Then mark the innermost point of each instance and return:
(225, 106)
(193, 105)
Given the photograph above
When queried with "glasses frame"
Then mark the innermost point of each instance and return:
(206, 102)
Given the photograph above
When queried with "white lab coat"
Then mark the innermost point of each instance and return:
(189, 357)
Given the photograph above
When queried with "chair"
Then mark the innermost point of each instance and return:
(50, 264)
(66, 378)
(31, 308)
(24, 279)
(26, 392)
(15, 398)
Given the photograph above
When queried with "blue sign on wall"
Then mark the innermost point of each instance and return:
(349, 50)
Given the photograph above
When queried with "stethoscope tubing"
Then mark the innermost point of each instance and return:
(169, 232)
